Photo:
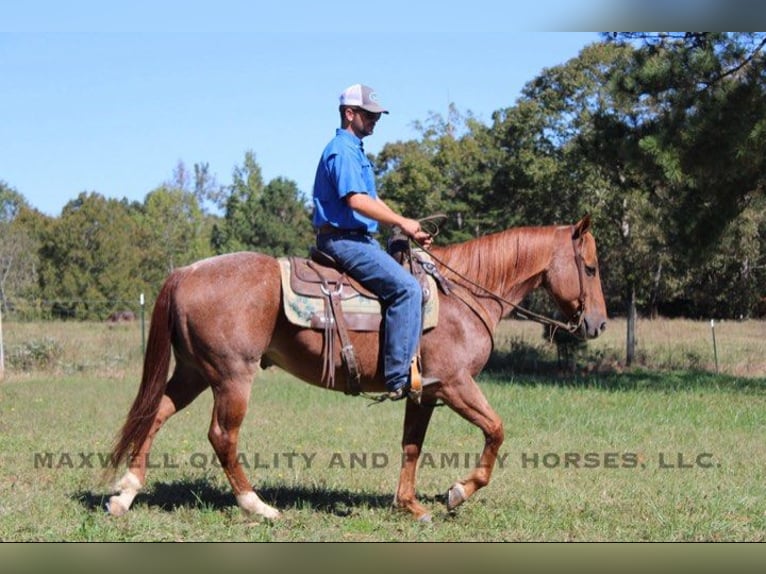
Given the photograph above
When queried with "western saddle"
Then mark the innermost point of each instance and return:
(319, 276)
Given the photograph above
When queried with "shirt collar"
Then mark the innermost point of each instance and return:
(346, 134)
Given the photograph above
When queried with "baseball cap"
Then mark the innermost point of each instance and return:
(362, 96)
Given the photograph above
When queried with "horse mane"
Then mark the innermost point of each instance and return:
(500, 261)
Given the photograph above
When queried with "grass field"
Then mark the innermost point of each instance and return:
(665, 450)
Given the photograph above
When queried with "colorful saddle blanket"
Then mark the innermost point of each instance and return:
(304, 297)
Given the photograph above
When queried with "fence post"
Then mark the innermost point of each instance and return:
(143, 327)
(2, 355)
(715, 349)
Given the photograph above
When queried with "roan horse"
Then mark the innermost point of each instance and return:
(223, 316)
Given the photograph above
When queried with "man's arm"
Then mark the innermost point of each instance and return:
(378, 210)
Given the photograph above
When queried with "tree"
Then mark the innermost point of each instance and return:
(90, 258)
(271, 219)
(450, 170)
(175, 230)
(18, 248)
(207, 190)
(701, 99)
(18, 263)
(699, 103)
(201, 183)
(658, 136)
(569, 151)
(11, 202)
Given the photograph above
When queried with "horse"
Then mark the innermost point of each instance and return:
(223, 319)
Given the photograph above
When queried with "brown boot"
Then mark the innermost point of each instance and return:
(414, 387)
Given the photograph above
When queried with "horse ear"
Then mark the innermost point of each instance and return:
(581, 227)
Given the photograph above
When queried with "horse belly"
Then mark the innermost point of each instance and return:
(299, 351)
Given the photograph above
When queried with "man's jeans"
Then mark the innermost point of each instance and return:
(401, 297)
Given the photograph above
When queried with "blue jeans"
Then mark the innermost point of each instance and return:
(400, 294)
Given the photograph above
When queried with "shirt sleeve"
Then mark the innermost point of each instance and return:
(350, 175)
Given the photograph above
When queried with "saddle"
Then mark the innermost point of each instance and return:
(319, 278)
(319, 295)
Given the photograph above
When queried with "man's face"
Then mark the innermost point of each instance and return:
(363, 122)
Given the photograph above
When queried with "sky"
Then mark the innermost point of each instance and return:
(111, 102)
(105, 98)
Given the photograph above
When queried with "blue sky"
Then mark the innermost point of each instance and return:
(110, 102)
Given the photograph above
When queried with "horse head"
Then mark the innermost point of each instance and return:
(574, 281)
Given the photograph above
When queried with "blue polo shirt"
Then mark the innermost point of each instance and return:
(343, 169)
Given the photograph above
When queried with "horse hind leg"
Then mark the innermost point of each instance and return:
(182, 388)
(229, 409)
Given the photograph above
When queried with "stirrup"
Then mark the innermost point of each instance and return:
(402, 392)
(410, 391)
(396, 395)
(405, 391)
(417, 382)
(413, 388)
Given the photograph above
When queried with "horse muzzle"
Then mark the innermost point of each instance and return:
(592, 326)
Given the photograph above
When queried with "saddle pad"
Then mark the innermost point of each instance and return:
(299, 309)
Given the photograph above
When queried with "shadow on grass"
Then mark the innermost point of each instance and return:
(203, 494)
(528, 365)
(634, 380)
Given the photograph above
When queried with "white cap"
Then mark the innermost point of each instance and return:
(362, 96)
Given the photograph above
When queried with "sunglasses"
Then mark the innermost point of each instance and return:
(368, 115)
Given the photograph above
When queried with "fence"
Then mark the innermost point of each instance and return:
(110, 311)
(19, 309)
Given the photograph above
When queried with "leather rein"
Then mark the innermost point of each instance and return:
(573, 326)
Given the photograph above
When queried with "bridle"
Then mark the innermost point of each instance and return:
(579, 315)
(573, 326)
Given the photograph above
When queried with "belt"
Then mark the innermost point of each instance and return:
(328, 229)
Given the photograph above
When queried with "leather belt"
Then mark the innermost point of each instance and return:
(328, 229)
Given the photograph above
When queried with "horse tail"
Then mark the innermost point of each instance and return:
(154, 379)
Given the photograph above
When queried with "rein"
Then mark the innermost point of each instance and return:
(573, 326)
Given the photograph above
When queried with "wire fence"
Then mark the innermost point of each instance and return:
(22, 310)
(113, 312)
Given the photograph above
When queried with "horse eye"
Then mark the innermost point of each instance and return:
(591, 271)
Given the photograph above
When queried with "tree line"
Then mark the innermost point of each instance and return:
(661, 137)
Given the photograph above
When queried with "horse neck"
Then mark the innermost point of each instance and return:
(509, 264)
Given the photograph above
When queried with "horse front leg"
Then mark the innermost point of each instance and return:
(466, 399)
(416, 419)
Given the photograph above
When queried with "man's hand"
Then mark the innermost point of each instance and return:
(377, 209)
(412, 229)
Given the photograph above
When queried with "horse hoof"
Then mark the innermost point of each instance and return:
(425, 519)
(455, 496)
(268, 513)
(115, 507)
(271, 514)
(251, 505)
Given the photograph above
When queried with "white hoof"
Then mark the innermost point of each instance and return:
(128, 487)
(115, 507)
(455, 496)
(251, 504)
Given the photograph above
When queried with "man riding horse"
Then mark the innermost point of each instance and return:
(347, 211)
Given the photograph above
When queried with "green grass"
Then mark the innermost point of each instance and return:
(581, 460)
(625, 426)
